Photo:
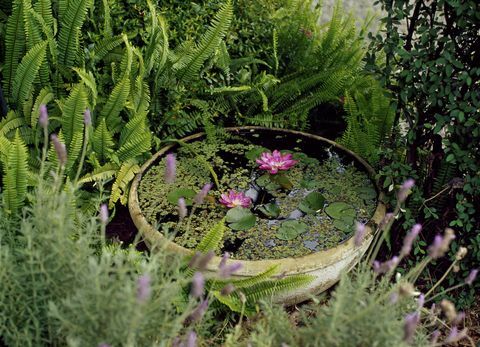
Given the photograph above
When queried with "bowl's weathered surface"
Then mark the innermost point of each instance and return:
(326, 265)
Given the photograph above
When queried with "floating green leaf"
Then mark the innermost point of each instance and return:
(185, 193)
(255, 152)
(312, 203)
(240, 218)
(265, 181)
(343, 215)
(367, 193)
(290, 229)
(282, 181)
(270, 210)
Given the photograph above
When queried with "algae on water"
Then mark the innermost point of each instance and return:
(310, 207)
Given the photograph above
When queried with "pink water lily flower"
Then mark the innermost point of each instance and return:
(234, 199)
(273, 162)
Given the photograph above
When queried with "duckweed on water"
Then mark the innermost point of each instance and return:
(307, 208)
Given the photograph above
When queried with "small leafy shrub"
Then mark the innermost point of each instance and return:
(431, 65)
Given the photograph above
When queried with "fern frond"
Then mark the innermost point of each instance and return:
(68, 37)
(106, 45)
(211, 241)
(115, 103)
(247, 282)
(11, 122)
(102, 141)
(44, 9)
(89, 80)
(102, 173)
(188, 67)
(74, 148)
(72, 113)
(16, 173)
(14, 45)
(43, 98)
(27, 71)
(120, 187)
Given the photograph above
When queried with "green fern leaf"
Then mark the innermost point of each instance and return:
(115, 103)
(211, 241)
(68, 37)
(16, 173)
(14, 45)
(102, 141)
(100, 174)
(11, 122)
(247, 282)
(106, 45)
(27, 71)
(189, 66)
(120, 187)
(43, 98)
(74, 148)
(89, 80)
(44, 9)
(72, 113)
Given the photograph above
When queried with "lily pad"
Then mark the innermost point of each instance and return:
(367, 193)
(308, 184)
(291, 229)
(282, 181)
(339, 210)
(185, 193)
(265, 181)
(240, 218)
(312, 203)
(255, 153)
(270, 210)
(345, 225)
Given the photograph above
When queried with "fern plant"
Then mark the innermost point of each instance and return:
(248, 292)
(369, 118)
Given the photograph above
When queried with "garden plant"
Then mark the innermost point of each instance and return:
(91, 90)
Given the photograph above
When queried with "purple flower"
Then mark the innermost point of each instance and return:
(103, 214)
(104, 345)
(405, 190)
(441, 244)
(223, 262)
(434, 337)
(182, 208)
(191, 339)
(198, 285)
(408, 240)
(199, 312)
(389, 265)
(202, 194)
(143, 288)
(360, 231)
(384, 222)
(410, 325)
(43, 117)
(234, 199)
(471, 277)
(170, 168)
(455, 335)
(273, 162)
(204, 260)
(421, 301)
(87, 117)
(60, 149)
(228, 270)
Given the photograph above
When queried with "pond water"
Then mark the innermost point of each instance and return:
(310, 207)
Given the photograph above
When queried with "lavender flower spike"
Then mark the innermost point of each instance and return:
(408, 240)
(43, 117)
(191, 339)
(170, 168)
(360, 232)
(182, 208)
(471, 277)
(235, 199)
(228, 270)
(389, 265)
(273, 162)
(410, 325)
(198, 313)
(405, 190)
(143, 288)
(198, 285)
(87, 117)
(441, 244)
(60, 149)
(200, 197)
(103, 215)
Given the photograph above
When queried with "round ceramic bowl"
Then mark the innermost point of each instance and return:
(325, 266)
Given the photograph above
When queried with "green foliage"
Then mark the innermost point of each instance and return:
(369, 117)
(60, 286)
(432, 67)
(240, 218)
(291, 229)
(211, 240)
(16, 174)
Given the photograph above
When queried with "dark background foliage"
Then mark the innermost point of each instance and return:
(432, 66)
